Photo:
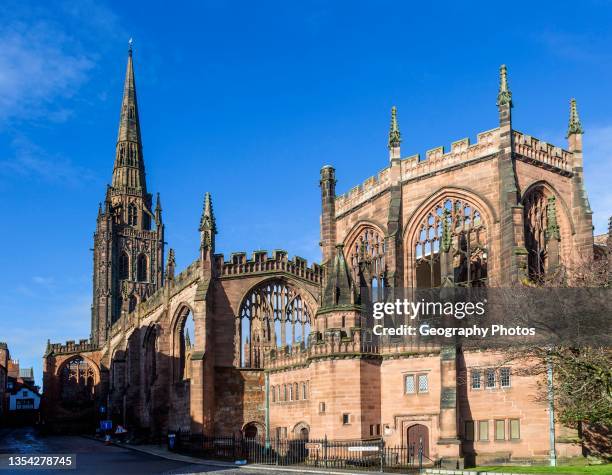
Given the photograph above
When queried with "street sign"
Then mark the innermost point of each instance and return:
(312, 445)
(106, 424)
(364, 448)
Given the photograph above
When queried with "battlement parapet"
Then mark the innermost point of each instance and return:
(542, 152)
(436, 159)
(3, 345)
(261, 262)
(71, 346)
(336, 343)
(360, 193)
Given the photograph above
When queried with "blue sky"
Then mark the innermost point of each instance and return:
(248, 100)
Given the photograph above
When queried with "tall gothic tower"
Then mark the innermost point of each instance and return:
(128, 253)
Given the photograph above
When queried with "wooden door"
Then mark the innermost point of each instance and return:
(418, 434)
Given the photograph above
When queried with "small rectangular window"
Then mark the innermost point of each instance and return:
(500, 429)
(409, 384)
(490, 378)
(273, 391)
(423, 383)
(371, 429)
(321, 407)
(304, 392)
(476, 379)
(515, 429)
(346, 419)
(483, 430)
(377, 429)
(469, 430)
(504, 377)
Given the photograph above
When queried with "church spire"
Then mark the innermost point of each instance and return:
(129, 165)
(575, 126)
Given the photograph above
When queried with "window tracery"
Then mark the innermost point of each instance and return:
(366, 255)
(467, 244)
(77, 383)
(272, 315)
(541, 230)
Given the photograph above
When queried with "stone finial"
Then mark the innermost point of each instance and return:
(207, 221)
(552, 227)
(395, 137)
(504, 97)
(187, 338)
(575, 127)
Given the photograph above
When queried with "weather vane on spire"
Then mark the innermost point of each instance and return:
(130, 42)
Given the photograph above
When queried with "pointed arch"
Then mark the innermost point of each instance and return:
(471, 219)
(183, 340)
(273, 313)
(132, 215)
(365, 252)
(142, 268)
(124, 265)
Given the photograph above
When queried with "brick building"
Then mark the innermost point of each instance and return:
(268, 345)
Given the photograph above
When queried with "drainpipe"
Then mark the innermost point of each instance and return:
(267, 376)
(551, 414)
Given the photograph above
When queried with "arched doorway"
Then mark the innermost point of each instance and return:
(250, 431)
(418, 435)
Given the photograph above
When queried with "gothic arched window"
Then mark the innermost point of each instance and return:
(366, 256)
(124, 265)
(468, 242)
(186, 333)
(132, 215)
(150, 361)
(271, 315)
(77, 383)
(132, 303)
(542, 233)
(142, 268)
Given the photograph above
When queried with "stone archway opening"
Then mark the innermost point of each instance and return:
(467, 244)
(274, 314)
(250, 431)
(78, 379)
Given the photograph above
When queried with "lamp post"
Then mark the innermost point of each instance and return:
(551, 413)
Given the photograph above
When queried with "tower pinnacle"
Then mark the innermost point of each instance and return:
(208, 227)
(504, 97)
(575, 127)
(395, 137)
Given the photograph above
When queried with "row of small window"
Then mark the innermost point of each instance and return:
(489, 378)
(509, 429)
(289, 392)
(416, 383)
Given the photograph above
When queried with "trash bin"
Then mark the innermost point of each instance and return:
(171, 441)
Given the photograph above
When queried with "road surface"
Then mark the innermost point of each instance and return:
(93, 457)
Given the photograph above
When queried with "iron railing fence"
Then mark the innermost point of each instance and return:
(371, 454)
